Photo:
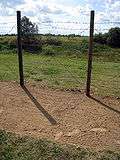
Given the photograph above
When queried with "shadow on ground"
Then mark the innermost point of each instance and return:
(103, 104)
(38, 105)
(49, 117)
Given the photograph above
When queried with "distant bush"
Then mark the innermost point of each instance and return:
(84, 46)
(53, 41)
(12, 43)
(101, 38)
(4, 43)
(71, 36)
(32, 45)
(3, 47)
(114, 37)
(48, 50)
(98, 48)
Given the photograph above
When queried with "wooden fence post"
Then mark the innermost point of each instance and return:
(19, 45)
(90, 53)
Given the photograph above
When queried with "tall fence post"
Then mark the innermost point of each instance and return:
(90, 53)
(19, 45)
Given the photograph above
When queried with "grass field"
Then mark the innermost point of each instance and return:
(13, 147)
(63, 72)
(64, 65)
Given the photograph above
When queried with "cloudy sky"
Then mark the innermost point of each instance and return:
(61, 16)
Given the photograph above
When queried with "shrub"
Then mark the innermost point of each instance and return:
(71, 36)
(3, 47)
(32, 45)
(98, 48)
(13, 44)
(53, 41)
(101, 38)
(5, 42)
(48, 50)
(114, 37)
(84, 46)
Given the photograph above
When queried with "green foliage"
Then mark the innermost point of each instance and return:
(61, 71)
(32, 45)
(6, 45)
(75, 47)
(100, 48)
(84, 46)
(48, 50)
(52, 41)
(12, 43)
(71, 35)
(3, 47)
(28, 29)
(101, 38)
(114, 37)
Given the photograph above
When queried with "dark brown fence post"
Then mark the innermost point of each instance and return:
(19, 45)
(90, 53)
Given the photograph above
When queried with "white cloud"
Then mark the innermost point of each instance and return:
(54, 10)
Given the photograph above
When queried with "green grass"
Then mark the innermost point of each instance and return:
(14, 147)
(63, 72)
(65, 66)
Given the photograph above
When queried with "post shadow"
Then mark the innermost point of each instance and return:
(103, 104)
(44, 112)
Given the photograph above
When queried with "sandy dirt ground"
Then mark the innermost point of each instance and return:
(62, 116)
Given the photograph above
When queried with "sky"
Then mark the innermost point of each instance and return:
(61, 16)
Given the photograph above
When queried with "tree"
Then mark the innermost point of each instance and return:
(114, 37)
(28, 29)
(101, 38)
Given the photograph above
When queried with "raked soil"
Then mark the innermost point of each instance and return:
(67, 117)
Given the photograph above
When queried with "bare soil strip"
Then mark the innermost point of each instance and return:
(62, 116)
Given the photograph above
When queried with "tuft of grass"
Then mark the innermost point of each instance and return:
(14, 147)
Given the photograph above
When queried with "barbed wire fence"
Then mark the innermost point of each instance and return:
(6, 30)
(56, 71)
(106, 82)
(82, 29)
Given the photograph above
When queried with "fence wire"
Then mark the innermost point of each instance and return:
(57, 56)
(106, 60)
(61, 63)
(8, 59)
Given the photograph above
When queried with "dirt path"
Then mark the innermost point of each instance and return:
(80, 120)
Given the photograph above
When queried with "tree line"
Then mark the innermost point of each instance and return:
(32, 41)
(112, 38)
